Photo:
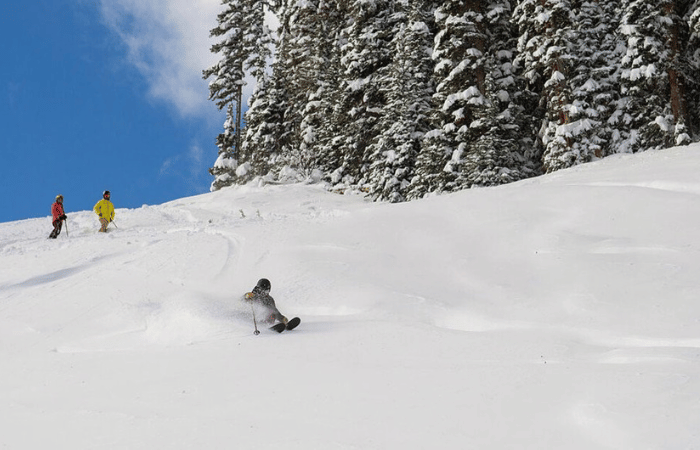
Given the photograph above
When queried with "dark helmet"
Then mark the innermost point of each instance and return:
(106, 194)
(264, 284)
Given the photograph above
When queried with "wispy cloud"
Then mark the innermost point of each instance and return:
(167, 167)
(190, 165)
(196, 155)
(168, 42)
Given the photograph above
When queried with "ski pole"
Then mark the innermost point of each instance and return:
(67, 228)
(255, 322)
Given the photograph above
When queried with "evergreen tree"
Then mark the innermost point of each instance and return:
(260, 148)
(294, 74)
(225, 89)
(683, 73)
(459, 75)
(326, 112)
(547, 58)
(366, 56)
(358, 95)
(497, 143)
(245, 45)
(303, 80)
(692, 69)
(314, 54)
(653, 88)
(595, 85)
(480, 135)
(224, 169)
(408, 92)
(266, 134)
(335, 135)
(579, 129)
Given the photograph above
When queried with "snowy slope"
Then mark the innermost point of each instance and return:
(556, 313)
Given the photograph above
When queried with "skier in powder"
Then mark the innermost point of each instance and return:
(58, 216)
(262, 301)
(105, 210)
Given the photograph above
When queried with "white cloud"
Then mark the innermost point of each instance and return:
(190, 165)
(167, 167)
(168, 42)
(196, 155)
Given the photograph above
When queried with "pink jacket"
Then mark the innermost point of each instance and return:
(56, 210)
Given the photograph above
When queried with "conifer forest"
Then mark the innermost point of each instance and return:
(403, 98)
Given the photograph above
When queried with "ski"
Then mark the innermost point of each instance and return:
(292, 324)
(278, 327)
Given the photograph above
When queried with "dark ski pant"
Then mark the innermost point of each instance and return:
(57, 225)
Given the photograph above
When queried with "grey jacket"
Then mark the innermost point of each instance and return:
(264, 304)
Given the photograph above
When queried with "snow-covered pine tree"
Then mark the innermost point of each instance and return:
(436, 149)
(478, 121)
(653, 86)
(316, 55)
(582, 101)
(303, 80)
(224, 168)
(547, 58)
(264, 128)
(408, 92)
(498, 141)
(244, 46)
(459, 75)
(692, 73)
(225, 90)
(366, 55)
(328, 111)
(334, 139)
(683, 73)
(259, 144)
(348, 90)
(595, 84)
(293, 73)
(260, 148)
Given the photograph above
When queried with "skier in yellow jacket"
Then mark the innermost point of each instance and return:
(105, 210)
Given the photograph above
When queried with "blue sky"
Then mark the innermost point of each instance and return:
(104, 94)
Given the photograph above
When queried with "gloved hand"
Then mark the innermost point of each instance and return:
(63, 217)
(249, 296)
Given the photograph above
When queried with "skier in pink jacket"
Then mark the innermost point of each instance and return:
(58, 216)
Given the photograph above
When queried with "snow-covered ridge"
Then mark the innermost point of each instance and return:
(557, 312)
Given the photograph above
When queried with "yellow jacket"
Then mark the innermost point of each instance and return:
(104, 209)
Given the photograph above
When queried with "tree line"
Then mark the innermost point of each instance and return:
(403, 98)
